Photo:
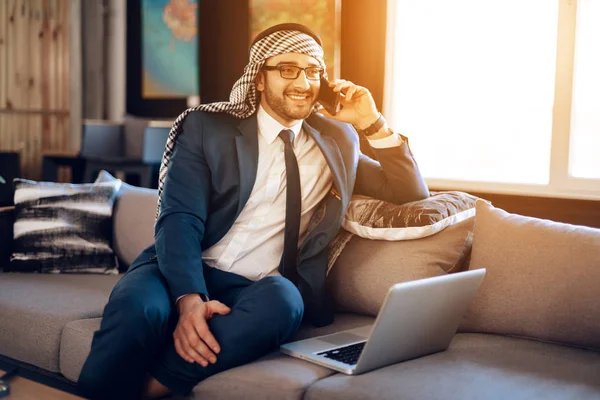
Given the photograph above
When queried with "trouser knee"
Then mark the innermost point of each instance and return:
(283, 307)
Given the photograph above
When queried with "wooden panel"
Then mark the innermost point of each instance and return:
(11, 43)
(62, 60)
(34, 77)
(3, 67)
(3, 53)
(47, 72)
(52, 95)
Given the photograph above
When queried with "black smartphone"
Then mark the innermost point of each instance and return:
(329, 99)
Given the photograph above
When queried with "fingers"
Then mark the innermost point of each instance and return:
(206, 338)
(186, 352)
(348, 89)
(191, 348)
(216, 307)
(340, 84)
(193, 340)
(350, 92)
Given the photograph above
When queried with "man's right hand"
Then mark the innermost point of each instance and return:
(192, 338)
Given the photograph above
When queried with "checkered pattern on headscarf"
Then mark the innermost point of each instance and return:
(243, 98)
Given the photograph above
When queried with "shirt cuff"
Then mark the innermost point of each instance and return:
(201, 294)
(180, 297)
(394, 140)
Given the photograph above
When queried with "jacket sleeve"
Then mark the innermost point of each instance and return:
(393, 177)
(185, 200)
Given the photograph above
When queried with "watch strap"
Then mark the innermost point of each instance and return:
(204, 297)
(374, 127)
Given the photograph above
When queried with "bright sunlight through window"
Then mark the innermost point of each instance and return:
(473, 87)
(584, 157)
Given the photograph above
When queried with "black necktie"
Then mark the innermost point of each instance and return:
(293, 201)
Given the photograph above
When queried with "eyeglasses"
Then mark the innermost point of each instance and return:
(293, 72)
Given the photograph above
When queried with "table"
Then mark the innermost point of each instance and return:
(25, 389)
(51, 160)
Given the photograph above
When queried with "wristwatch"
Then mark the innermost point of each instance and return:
(374, 127)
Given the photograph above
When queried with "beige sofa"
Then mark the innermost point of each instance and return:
(533, 330)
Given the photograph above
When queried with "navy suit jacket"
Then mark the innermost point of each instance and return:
(211, 176)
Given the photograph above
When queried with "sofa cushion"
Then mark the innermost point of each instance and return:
(376, 219)
(134, 217)
(61, 227)
(476, 366)
(542, 279)
(366, 269)
(34, 308)
(275, 375)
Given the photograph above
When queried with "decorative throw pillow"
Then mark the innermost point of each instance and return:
(63, 227)
(542, 279)
(366, 269)
(376, 219)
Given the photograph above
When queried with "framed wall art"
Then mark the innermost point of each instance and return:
(322, 16)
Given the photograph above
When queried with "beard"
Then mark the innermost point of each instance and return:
(284, 106)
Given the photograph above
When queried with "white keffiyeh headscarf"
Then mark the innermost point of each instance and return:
(243, 98)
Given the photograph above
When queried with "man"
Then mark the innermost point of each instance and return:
(251, 192)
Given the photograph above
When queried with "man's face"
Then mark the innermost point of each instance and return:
(288, 100)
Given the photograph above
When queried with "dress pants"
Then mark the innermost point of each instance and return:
(136, 334)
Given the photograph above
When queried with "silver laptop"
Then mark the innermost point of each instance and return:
(417, 318)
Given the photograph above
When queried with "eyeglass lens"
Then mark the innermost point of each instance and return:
(292, 72)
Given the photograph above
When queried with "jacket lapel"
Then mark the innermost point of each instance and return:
(247, 153)
(333, 156)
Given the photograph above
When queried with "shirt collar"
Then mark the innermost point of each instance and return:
(269, 127)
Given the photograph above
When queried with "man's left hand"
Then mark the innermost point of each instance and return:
(358, 106)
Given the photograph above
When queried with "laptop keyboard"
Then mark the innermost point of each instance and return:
(347, 354)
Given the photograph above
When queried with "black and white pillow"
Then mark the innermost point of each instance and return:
(63, 227)
(379, 220)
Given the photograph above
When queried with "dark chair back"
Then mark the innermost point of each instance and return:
(155, 139)
(102, 140)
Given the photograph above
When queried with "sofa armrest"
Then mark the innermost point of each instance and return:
(7, 219)
(134, 215)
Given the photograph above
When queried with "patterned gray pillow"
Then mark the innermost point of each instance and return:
(376, 219)
(63, 227)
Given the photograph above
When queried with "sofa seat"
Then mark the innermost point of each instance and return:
(36, 308)
(274, 376)
(477, 366)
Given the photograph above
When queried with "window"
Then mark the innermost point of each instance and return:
(483, 90)
(584, 160)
